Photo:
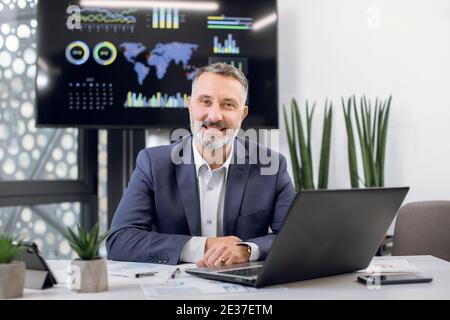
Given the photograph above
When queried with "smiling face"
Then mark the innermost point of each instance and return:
(217, 109)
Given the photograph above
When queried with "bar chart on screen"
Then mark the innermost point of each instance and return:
(229, 46)
(165, 18)
(229, 23)
(157, 100)
(240, 63)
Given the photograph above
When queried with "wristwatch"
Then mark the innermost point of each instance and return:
(249, 249)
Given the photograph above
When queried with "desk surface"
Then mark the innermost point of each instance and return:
(335, 287)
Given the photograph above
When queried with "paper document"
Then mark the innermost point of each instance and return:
(186, 285)
(391, 266)
(125, 272)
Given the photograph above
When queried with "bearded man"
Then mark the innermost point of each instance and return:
(215, 207)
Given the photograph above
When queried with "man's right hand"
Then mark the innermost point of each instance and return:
(216, 246)
(230, 240)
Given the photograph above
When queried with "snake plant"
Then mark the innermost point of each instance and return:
(299, 141)
(371, 125)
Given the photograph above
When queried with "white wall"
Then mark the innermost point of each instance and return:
(330, 48)
(334, 48)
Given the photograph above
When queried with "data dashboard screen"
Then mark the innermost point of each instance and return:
(130, 64)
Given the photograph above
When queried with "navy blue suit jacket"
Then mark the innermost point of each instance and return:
(159, 211)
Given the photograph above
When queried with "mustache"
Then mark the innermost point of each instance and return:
(215, 124)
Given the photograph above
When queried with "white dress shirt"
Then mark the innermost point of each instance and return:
(211, 188)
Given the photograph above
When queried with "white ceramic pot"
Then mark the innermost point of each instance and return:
(89, 275)
(12, 279)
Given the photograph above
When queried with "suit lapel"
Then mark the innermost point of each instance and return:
(236, 183)
(187, 185)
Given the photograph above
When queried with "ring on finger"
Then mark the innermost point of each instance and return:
(222, 260)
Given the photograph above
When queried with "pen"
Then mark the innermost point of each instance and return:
(145, 274)
(174, 273)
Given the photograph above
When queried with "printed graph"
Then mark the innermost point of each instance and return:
(229, 46)
(157, 100)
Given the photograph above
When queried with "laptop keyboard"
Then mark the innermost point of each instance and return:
(247, 272)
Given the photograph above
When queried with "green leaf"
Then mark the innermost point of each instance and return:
(367, 120)
(375, 124)
(292, 149)
(290, 143)
(92, 238)
(326, 145)
(10, 247)
(73, 239)
(86, 243)
(309, 117)
(382, 147)
(352, 160)
(363, 123)
(362, 143)
(307, 177)
(378, 155)
(296, 147)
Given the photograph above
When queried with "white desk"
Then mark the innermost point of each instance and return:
(336, 287)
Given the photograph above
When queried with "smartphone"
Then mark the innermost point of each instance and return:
(393, 279)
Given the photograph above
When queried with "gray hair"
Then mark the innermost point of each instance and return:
(225, 70)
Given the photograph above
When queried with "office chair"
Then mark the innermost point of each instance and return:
(422, 228)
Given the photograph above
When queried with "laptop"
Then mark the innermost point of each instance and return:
(325, 233)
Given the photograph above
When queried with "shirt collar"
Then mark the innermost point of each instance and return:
(200, 162)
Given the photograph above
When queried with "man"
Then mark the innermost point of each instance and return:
(215, 207)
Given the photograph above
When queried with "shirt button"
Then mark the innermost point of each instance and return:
(210, 188)
(208, 221)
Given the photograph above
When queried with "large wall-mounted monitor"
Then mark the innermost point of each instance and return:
(130, 64)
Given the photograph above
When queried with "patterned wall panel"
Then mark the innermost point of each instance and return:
(44, 225)
(27, 153)
(30, 153)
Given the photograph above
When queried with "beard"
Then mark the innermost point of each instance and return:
(213, 140)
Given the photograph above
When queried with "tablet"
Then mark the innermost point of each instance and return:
(39, 275)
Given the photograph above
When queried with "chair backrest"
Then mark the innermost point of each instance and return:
(423, 228)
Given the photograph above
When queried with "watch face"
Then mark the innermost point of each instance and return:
(249, 250)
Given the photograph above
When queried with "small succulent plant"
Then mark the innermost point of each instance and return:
(86, 243)
(10, 247)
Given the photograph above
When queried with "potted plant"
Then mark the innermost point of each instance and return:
(89, 271)
(12, 273)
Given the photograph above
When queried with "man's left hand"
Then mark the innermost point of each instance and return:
(224, 254)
